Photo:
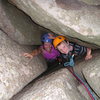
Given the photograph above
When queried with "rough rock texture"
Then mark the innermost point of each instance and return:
(68, 17)
(59, 85)
(84, 93)
(18, 25)
(92, 72)
(91, 2)
(16, 71)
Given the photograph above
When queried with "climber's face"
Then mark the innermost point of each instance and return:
(63, 47)
(47, 46)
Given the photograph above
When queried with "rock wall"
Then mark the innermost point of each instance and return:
(68, 17)
(91, 71)
(91, 2)
(16, 71)
(18, 25)
(73, 18)
(59, 85)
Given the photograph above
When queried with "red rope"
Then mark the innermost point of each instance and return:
(92, 98)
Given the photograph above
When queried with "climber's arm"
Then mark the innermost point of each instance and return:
(33, 53)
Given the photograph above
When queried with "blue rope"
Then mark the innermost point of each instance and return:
(86, 86)
(71, 63)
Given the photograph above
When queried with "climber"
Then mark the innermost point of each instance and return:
(47, 50)
(70, 50)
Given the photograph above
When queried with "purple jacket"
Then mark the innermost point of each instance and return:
(50, 55)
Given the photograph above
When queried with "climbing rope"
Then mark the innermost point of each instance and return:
(86, 86)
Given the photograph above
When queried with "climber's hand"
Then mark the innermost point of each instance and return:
(28, 55)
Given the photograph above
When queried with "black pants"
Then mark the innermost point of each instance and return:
(52, 64)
